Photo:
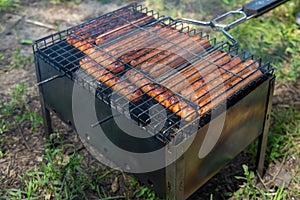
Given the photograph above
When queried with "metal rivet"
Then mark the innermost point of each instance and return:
(150, 182)
(87, 136)
(127, 167)
(169, 186)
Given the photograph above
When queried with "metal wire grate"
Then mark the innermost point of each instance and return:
(185, 75)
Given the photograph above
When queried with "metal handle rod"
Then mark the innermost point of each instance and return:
(104, 120)
(252, 9)
(50, 79)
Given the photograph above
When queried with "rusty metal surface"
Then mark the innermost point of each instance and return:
(244, 122)
(103, 124)
(262, 145)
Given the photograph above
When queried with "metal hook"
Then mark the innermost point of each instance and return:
(104, 120)
(50, 79)
(216, 24)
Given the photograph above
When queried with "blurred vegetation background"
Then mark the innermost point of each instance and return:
(274, 36)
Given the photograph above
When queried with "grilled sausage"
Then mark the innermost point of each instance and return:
(89, 30)
(123, 29)
(147, 61)
(178, 57)
(194, 72)
(92, 29)
(248, 71)
(152, 39)
(162, 95)
(130, 91)
(211, 79)
(105, 60)
(136, 37)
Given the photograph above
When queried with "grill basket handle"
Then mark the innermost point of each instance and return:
(252, 9)
(256, 8)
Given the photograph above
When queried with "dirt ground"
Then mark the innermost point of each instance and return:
(24, 149)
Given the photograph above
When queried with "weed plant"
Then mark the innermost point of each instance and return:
(8, 5)
(274, 37)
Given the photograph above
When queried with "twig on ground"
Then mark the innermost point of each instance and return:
(22, 135)
(49, 26)
(278, 171)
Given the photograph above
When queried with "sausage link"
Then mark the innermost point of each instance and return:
(162, 95)
(194, 71)
(91, 30)
(248, 71)
(210, 80)
(171, 44)
(130, 91)
(123, 29)
(179, 55)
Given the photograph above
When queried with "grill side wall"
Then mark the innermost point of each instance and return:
(244, 122)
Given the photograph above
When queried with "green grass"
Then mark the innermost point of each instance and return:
(15, 110)
(283, 143)
(61, 176)
(250, 189)
(8, 5)
(284, 135)
(274, 37)
(18, 60)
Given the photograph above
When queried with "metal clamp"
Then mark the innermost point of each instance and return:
(252, 9)
(217, 25)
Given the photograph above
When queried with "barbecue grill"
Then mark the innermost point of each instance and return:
(154, 97)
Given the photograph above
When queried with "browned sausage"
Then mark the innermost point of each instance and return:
(91, 30)
(192, 73)
(88, 31)
(106, 60)
(210, 80)
(171, 44)
(130, 91)
(153, 40)
(179, 55)
(248, 71)
(136, 37)
(123, 29)
(162, 95)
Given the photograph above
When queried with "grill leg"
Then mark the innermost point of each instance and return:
(175, 176)
(263, 139)
(46, 118)
(262, 145)
(45, 111)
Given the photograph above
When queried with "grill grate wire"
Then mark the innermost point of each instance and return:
(59, 54)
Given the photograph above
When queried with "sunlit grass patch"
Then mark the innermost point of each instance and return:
(274, 36)
(60, 176)
(14, 110)
(7, 5)
(18, 60)
(283, 145)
